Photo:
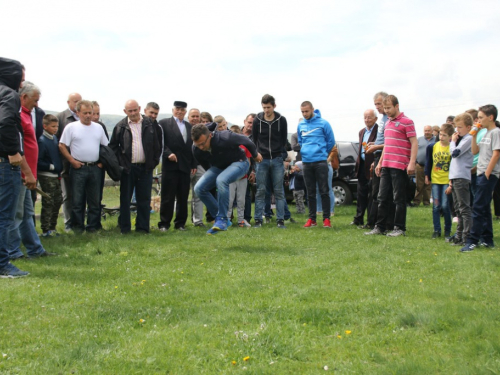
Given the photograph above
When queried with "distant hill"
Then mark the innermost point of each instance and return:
(111, 120)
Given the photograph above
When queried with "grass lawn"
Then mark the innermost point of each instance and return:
(260, 301)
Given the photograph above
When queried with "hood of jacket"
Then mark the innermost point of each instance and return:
(316, 117)
(260, 116)
(11, 73)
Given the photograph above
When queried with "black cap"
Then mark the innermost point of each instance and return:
(180, 104)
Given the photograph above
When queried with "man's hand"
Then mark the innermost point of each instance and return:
(378, 169)
(173, 158)
(427, 182)
(251, 177)
(411, 168)
(258, 159)
(15, 160)
(448, 190)
(30, 182)
(76, 164)
(99, 165)
(193, 171)
(487, 175)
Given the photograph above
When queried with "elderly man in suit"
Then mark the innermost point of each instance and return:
(363, 163)
(178, 165)
(66, 117)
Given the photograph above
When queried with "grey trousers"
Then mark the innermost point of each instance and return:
(298, 195)
(238, 189)
(196, 203)
(461, 198)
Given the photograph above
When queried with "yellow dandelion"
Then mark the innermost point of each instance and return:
(233, 362)
(246, 359)
(347, 332)
(116, 286)
(339, 337)
(142, 321)
(420, 280)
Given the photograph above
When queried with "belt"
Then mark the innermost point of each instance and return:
(139, 164)
(89, 164)
(4, 160)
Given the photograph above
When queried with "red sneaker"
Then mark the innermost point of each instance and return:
(326, 223)
(310, 223)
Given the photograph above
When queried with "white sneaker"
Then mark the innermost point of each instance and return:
(244, 224)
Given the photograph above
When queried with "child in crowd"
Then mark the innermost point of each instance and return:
(49, 171)
(460, 176)
(437, 168)
(298, 187)
(488, 172)
(238, 189)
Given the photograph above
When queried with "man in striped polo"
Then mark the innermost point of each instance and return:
(396, 163)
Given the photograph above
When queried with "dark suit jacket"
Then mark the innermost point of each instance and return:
(173, 143)
(64, 117)
(39, 113)
(369, 157)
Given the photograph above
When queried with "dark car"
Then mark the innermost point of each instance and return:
(345, 181)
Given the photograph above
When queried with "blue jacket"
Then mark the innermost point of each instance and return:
(48, 153)
(316, 138)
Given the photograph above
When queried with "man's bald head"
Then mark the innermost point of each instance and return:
(73, 99)
(370, 118)
(132, 110)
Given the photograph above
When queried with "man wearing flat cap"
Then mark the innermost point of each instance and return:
(177, 166)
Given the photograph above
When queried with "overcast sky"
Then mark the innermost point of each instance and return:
(438, 57)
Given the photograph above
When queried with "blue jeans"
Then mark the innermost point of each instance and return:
(482, 226)
(274, 168)
(85, 184)
(23, 228)
(10, 185)
(220, 178)
(139, 181)
(319, 208)
(440, 202)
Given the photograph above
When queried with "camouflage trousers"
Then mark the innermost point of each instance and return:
(50, 207)
(298, 195)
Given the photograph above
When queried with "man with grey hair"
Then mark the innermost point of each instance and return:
(23, 227)
(66, 117)
(363, 163)
(196, 203)
(423, 193)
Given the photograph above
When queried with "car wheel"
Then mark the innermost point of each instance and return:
(343, 195)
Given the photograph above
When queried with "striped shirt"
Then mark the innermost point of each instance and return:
(397, 146)
(138, 155)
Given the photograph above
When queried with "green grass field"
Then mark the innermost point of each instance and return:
(260, 301)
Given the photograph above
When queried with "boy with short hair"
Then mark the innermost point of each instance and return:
(460, 176)
(488, 172)
(49, 171)
(437, 167)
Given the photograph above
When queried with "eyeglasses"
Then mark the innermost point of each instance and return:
(202, 143)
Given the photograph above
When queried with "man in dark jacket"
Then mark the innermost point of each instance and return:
(178, 165)
(269, 133)
(11, 156)
(67, 117)
(136, 145)
(363, 163)
(220, 154)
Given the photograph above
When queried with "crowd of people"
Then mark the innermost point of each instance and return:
(69, 153)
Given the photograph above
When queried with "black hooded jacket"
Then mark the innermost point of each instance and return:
(270, 137)
(11, 132)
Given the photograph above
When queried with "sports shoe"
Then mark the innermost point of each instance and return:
(455, 241)
(220, 225)
(244, 224)
(268, 220)
(258, 224)
(447, 234)
(292, 220)
(43, 255)
(200, 225)
(211, 231)
(468, 247)
(326, 223)
(10, 272)
(47, 234)
(281, 224)
(436, 235)
(310, 223)
(366, 226)
(375, 230)
(55, 233)
(396, 232)
(229, 223)
(451, 238)
(487, 245)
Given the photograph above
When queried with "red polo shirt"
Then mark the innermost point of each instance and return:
(30, 143)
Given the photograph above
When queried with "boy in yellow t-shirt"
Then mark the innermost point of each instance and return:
(437, 168)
